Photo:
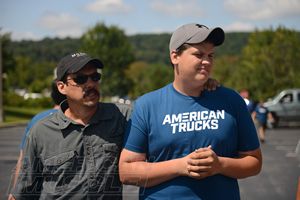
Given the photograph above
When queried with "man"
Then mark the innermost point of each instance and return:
(74, 153)
(57, 98)
(183, 142)
(250, 104)
(260, 116)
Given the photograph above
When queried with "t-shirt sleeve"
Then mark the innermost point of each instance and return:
(136, 138)
(25, 135)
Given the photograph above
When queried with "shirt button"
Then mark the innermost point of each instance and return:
(89, 151)
(93, 183)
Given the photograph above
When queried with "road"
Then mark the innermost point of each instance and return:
(278, 179)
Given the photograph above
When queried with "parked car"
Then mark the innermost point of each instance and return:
(285, 107)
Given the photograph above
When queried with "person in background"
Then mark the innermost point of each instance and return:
(183, 142)
(260, 116)
(74, 153)
(246, 96)
(57, 98)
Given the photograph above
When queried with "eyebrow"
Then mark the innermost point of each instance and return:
(202, 51)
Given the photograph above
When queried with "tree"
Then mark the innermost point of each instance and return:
(270, 62)
(47, 49)
(225, 68)
(30, 75)
(8, 61)
(151, 48)
(147, 77)
(111, 45)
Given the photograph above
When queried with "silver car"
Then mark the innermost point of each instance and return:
(285, 107)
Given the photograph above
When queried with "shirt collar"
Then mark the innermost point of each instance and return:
(102, 113)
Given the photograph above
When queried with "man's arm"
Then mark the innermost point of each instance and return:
(16, 173)
(29, 178)
(18, 168)
(134, 169)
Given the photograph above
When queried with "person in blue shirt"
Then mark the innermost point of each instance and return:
(183, 142)
(260, 116)
(57, 98)
(250, 104)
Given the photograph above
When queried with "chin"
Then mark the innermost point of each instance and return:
(202, 80)
(91, 103)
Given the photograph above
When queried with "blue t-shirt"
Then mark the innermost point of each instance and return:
(166, 124)
(261, 114)
(32, 122)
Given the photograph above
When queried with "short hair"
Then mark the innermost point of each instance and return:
(56, 96)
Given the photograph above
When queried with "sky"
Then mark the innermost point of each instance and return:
(37, 19)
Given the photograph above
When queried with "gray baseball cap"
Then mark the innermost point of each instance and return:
(195, 33)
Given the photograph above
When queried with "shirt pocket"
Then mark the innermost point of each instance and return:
(59, 171)
(107, 158)
(111, 148)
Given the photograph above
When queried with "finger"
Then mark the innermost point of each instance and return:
(210, 85)
(198, 175)
(201, 162)
(203, 148)
(199, 155)
(202, 153)
(199, 168)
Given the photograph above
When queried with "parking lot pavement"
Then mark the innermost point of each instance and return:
(278, 179)
(280, 174)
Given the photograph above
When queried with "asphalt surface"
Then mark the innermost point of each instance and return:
(278, 179)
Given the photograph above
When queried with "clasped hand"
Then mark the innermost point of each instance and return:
(202, 163)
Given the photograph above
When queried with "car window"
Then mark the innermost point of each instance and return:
(288, 98)
(298, 96)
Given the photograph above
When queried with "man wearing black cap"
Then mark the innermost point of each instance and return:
(184, 142)
(73, 154)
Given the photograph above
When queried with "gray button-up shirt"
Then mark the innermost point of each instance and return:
(64, 159)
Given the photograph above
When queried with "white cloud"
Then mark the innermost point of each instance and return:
(239, 26)
(108, 6)
(178, 8)
(263, 9)
(17, 36)
(62, 24)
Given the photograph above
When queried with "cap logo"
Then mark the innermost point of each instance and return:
(201, 26)
(78, 55)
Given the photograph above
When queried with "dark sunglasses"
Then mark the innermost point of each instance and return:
(82, 79)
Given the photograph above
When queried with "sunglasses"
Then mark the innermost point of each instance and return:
(82, 78)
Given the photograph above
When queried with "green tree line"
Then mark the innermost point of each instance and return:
(262, 61)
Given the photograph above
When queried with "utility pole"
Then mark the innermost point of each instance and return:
(1, 82)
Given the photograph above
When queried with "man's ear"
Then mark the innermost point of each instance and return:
(174, 57)
(61, 87)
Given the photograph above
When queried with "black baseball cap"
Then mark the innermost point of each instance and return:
(195, 33)
(74, 62)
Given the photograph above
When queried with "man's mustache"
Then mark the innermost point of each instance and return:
(87, 92)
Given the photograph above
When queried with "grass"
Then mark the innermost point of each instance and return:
(19, 115)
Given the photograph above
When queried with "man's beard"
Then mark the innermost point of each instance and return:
(95, 94)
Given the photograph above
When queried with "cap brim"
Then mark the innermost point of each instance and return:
(216, 36)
